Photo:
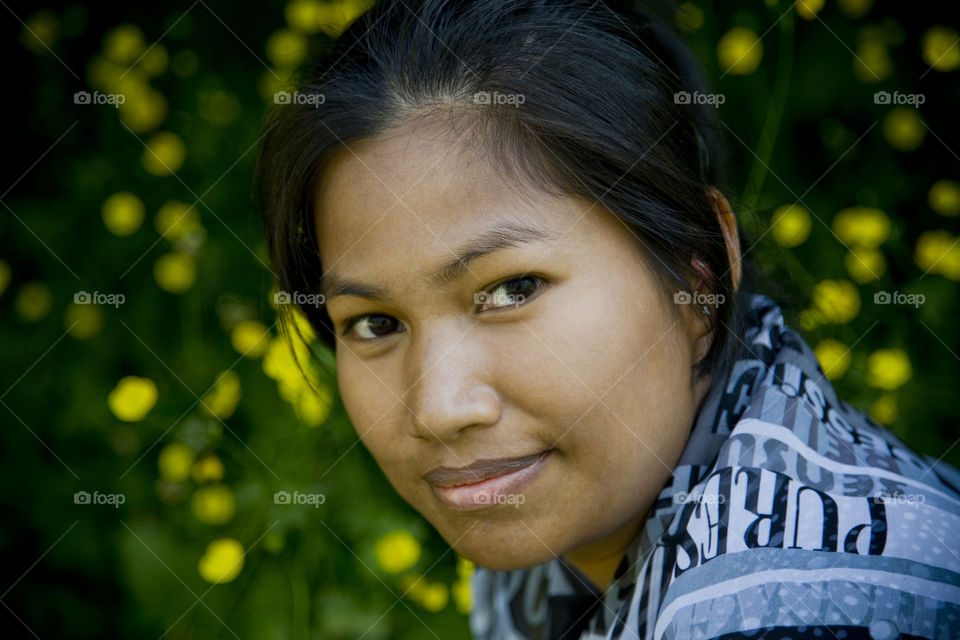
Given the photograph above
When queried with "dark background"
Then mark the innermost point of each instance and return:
(802, 127)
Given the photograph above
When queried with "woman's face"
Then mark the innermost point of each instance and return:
(590, 365)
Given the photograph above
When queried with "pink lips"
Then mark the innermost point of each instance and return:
(486, 483)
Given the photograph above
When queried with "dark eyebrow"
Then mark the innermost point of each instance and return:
(493, 239)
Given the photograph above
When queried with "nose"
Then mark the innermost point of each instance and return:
(447, 377)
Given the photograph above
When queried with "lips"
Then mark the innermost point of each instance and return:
(478, 471)
(501, 482)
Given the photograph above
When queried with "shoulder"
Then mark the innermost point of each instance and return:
(813, 517)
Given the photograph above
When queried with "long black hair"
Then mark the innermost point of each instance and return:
(575, 97)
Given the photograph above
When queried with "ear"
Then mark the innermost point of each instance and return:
(728, 225)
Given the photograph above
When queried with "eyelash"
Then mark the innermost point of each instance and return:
(539, 282)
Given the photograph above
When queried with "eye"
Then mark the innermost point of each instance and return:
(510, 293)
(375, 324)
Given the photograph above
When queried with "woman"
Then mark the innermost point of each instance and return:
(549, 338)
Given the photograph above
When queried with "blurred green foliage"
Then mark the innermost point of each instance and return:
(153, 412)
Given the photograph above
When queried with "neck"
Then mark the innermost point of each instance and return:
(599, 560)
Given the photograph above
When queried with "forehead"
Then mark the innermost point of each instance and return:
(419, 190)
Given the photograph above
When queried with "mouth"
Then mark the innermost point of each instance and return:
(486, 483)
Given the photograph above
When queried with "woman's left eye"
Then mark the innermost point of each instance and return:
(510, 293)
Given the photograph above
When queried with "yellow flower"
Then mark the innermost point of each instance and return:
(250, 338)
(144, 109)
(434, 596)
(862, 226)
(222, 561)
(286, 48)
(837, 300)
(5, 275)
(396, 551)
(931, 248)
(462, 596)
(872, 62)
(295, 322)
(209, 468)
(123, 213)
(950, 265)
(460, 590)
(809, 319)
(154, 62)
(83, 320)
(855, 8)
(164, 154)
(888, 368)
(791, 225)
(739, 51)
(174, 462)
(940, 48)
(808, 9)
(176, 219)
(213, 504)
(124, 44)
(834, 357)
(34, 301)
(219, 107)
(313, 409)
(689, 17)
(222, 400)
(903, 128)
(40, 31)
(132, 398)
(864, 265)
(175, 272)
(944, 198)
(304, 15)
(884, 410)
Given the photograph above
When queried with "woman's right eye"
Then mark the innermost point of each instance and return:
(374, 324)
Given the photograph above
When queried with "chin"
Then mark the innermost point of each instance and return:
(502, 546)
